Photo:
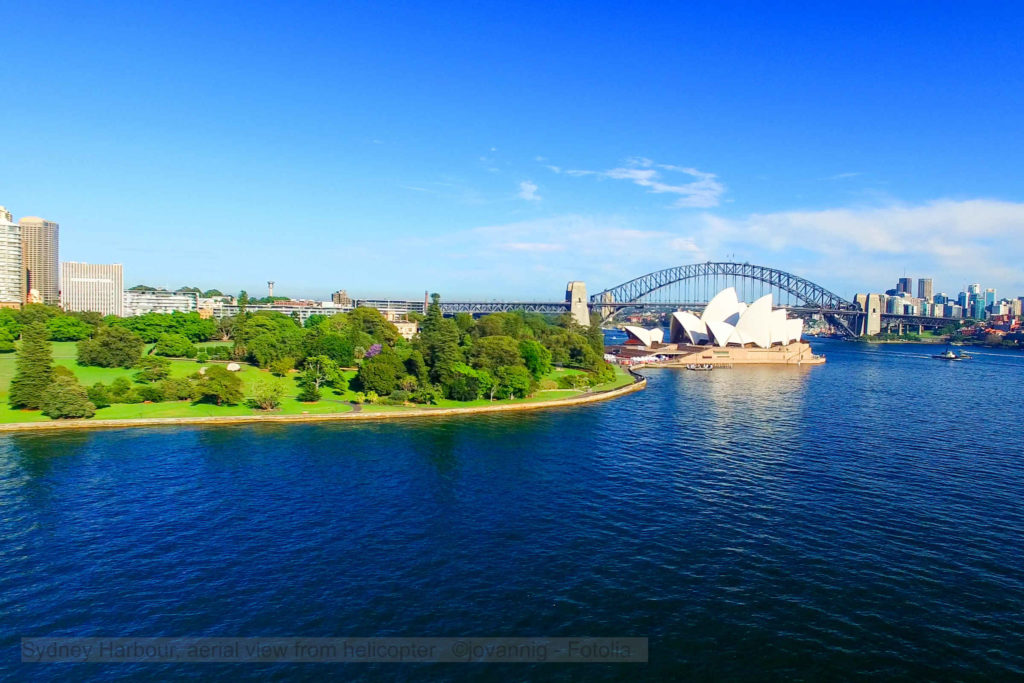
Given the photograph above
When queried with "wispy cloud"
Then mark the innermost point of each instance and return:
(528, 191)
(703, 190)
(844, 176)
(951, 240)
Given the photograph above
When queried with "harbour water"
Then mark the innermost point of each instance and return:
(859, 518)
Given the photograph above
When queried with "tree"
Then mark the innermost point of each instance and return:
(67, 328)
(426, 394)
(318, 371)
(33, 368)
(266, 394)
(595, 335)
(119, 389)
(153, 369)
(282, 366)
(177, 388)
(536, 357)
(322, 341)
(439, 343)
(66, 398)
(417, 367)
(32, 313)
(212, 292)
(90, 318)
(111, 347)
(372, 322)
(6, 340)
(315, 320)
(219, 386)
(175, 345)
(266, 337)
(513, 382)
(151, 326)
(154, 393)
(468, 384)
(98, 394)
(464, 321)
(381, 373)
(490, 353)
(9, 322)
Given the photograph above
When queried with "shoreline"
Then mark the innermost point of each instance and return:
(639, 382)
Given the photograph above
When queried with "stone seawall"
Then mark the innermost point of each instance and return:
(639, 382)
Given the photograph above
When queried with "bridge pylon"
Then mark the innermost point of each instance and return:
(576, 295)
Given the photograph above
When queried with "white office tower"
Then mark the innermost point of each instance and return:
(92, 287)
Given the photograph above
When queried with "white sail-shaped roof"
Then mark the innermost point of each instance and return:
(726, 320)
(686, 327)
(721, 332)
(721, 306)
(796, 328)
(646, 337)
(780, 327)
(754, 326)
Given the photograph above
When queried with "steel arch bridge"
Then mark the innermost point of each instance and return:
(707, 278)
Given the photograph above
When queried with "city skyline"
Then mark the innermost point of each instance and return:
(485, 152)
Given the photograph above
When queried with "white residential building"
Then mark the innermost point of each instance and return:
(140, 302)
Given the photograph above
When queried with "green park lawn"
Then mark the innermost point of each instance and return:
(64, 353)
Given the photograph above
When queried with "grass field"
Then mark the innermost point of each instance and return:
(64, 353)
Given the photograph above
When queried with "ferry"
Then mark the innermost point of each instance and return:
(948, 355)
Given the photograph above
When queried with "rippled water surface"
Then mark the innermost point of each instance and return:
(861, 517)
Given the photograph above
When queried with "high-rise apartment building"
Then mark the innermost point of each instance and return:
(990, 296)
(905, 284)
(92, 287)
(924, 289)
(39, 250)
(974, 289)
(12, 270)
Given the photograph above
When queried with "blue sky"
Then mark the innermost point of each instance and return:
(500, 150)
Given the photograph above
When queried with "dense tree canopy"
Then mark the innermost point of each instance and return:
(219, 385)
(151, 325)
(502, 355)
(66, 398)
(111, 347)
(175, 345)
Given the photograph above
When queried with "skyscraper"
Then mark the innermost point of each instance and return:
(990, 296)
(905, 284)
(92, 287)
(12, 270)
(39, 249)
(924, 289)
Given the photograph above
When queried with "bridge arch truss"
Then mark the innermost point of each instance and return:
(698, 282)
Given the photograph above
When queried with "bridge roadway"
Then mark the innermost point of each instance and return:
(559, 307)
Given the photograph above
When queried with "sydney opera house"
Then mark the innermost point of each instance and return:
(728, 331)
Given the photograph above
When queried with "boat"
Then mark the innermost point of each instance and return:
(948, 355)
(700, 366)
